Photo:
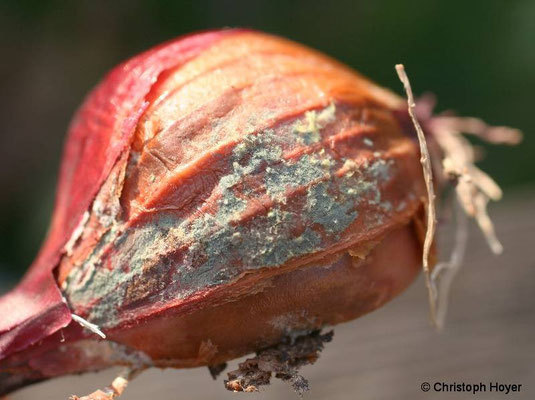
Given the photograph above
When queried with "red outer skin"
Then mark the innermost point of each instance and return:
(100, 131)
(38, 329)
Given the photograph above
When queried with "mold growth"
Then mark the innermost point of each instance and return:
(309, 129)
(292, 175)
(324, 209)
(170, 258)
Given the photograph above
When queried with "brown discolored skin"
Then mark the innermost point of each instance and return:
(265, 190)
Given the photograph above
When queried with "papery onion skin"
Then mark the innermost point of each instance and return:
(226, 180)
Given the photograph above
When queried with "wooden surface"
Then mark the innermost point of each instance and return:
(489, 337)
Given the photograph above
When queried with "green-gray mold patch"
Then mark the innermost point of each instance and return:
(228, 251)
(386, 205)
(230, 207)
(214, 250)
(293, 174)
(137, 248)
(270, 242)
(263, 147)
(332, 213)
(333, 203)
(380, 169)
(308, 129)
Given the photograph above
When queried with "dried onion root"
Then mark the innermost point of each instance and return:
(115, 389)
(473, 187)
(428, 176)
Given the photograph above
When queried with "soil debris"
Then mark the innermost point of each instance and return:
(282, 361)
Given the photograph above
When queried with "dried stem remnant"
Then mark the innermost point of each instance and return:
(428, 176)
(283, 360)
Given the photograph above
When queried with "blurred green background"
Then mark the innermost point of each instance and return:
(478, 57)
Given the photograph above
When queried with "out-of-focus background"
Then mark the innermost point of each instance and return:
(477, 56)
